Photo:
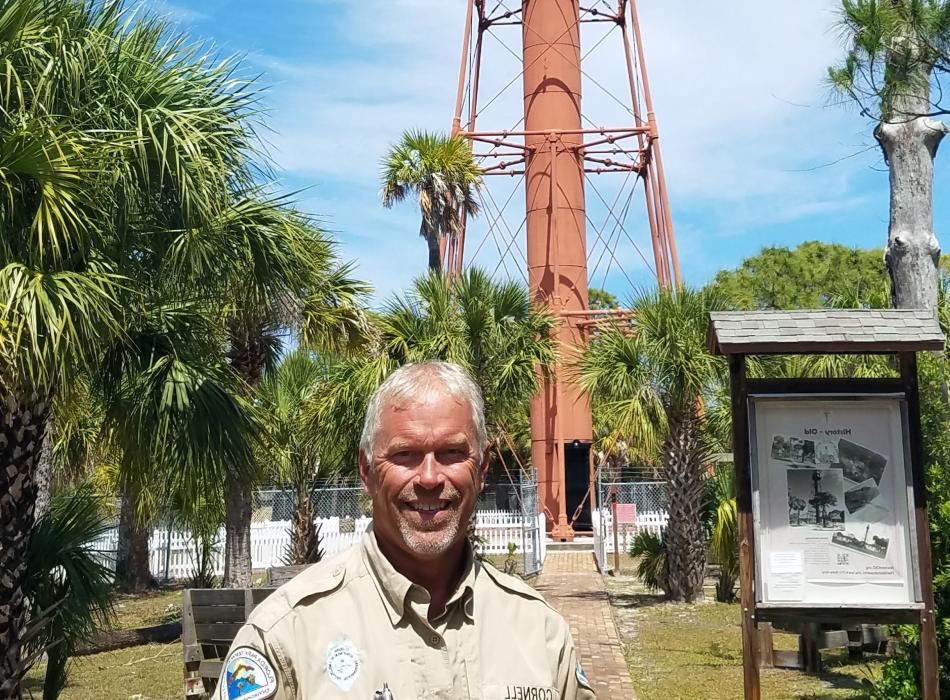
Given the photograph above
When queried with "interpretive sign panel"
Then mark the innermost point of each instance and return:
(832, 502)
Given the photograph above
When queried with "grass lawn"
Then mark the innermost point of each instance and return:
(674, 652)
(693, 652)
(147, 609)
(153, 671)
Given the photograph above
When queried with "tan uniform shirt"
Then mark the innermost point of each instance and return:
(353, 627)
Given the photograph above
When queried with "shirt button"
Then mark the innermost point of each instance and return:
(435, 639)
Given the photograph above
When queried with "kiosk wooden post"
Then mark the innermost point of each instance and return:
(901, 333)
(740, 452)
(928, 628)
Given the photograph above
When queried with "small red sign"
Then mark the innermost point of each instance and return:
(626, 513)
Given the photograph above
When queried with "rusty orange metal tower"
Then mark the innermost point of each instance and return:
(555, 153)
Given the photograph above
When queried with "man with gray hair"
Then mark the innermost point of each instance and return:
(410, 613)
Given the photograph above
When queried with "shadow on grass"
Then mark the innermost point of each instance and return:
(839, 680)
(636, 600)
(32, 686)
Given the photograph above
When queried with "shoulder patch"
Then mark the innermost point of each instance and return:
(581, 676)
(248, 675)
(512, 583)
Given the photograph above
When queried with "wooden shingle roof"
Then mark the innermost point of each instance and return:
(824, 331)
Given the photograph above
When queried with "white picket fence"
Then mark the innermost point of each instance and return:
(496, 528)
(648, 521)
(174, 551)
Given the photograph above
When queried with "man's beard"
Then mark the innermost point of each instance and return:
(437, 540)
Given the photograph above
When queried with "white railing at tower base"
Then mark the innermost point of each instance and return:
(603, 521)
(173, 552)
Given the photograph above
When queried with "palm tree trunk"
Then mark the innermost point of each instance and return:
(683, 453)
(237, 527)
(247, 355)
(132, 572)
(435, 251)
(23, 423)
(44, 473)
(304, 542)
(55, 679)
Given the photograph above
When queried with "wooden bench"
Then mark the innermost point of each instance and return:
(211, 618)
(279, 575)
(812, 638)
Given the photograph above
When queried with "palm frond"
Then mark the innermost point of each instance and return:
(68, 584)
(440, 171)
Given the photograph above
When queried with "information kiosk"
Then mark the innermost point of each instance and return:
(829, 477)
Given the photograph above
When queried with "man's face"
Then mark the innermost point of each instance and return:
(426, 474)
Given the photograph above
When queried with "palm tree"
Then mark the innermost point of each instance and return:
(178, 416)
(69, 585)
(796, 505)
(652, 379)
(652, 555)
(121, 148)
(820, 501)
(491, 328)
(293, 455)
(283, 275)
(724, 539)
(443, 175)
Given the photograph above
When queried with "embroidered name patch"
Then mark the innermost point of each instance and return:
(248, 676)
(530, 692)
(343, 664)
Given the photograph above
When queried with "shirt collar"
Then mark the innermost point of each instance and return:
(393, 586)
(466, 589)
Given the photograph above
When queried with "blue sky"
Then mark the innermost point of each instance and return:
(756, 153)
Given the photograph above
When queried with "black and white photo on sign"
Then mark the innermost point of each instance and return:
(826, 451)
(793, 449)
(859, 463)
(816, 499)
(858, 497)
(867, 540)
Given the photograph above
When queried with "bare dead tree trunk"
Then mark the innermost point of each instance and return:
(910, 142)
(912, 251)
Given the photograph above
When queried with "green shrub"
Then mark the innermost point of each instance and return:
(652, 565)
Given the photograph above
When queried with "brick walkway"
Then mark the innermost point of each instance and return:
(571, 584)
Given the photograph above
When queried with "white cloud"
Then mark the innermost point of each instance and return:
(729, 81)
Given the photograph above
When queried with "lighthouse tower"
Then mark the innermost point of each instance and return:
(554, 149)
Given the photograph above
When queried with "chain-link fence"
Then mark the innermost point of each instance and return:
(533, 526)
(506, 514)
(347, 499)
(630, 500)
(328, 500)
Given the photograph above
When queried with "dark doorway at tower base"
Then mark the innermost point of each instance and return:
(577, 479)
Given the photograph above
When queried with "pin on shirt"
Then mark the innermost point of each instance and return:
(384, 694)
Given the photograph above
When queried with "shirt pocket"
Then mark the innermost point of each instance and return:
(519, 691)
